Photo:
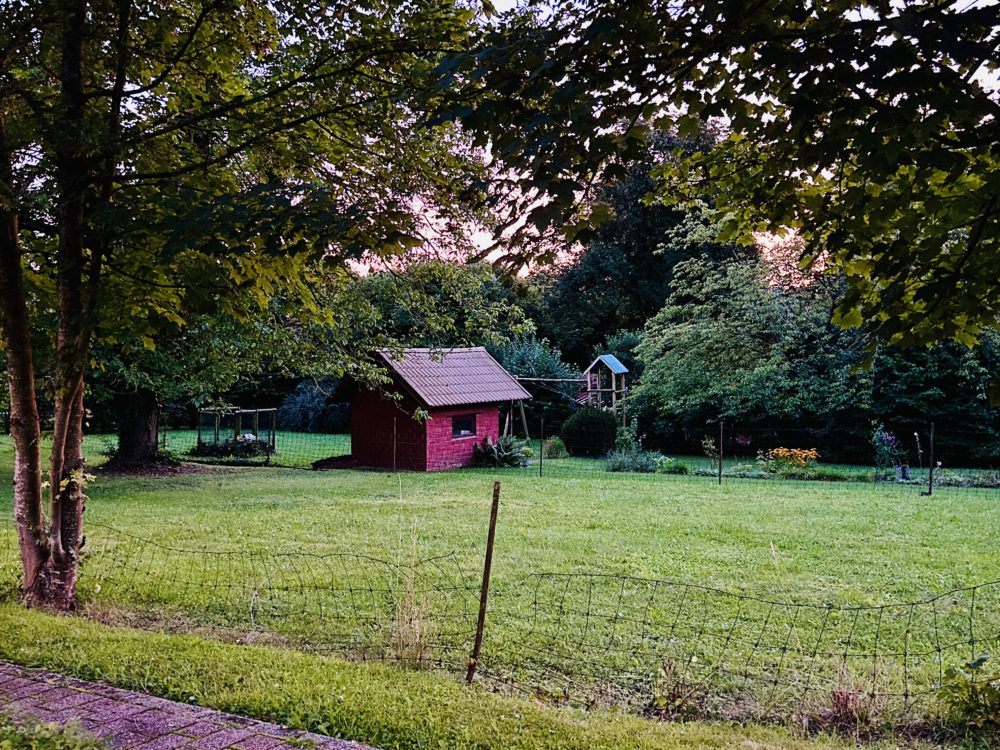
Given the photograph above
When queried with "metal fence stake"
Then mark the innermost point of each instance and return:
(930, 475)
(484, 592)
(721, 423)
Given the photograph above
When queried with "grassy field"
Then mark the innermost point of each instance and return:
(292, 449)
(332, 561)
(385, 707)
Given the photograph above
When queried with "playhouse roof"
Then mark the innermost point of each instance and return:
(455, 377)
(614, 364)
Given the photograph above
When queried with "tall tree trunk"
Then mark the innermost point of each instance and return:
(138, 429)
(25, 428)
(56, 585)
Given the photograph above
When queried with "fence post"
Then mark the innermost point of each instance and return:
(721, 435)
(484, 591)
(541, 445)
(930, 475)
(394, 469)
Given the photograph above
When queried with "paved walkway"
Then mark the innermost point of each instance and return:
(134, 721)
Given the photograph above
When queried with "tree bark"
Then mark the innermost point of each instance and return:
(55, 586)
(138, 429)
(25, 427)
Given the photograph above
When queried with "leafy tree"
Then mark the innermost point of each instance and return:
(305, 408)
(716, 349)
(552, 383)
(162, 160)
(619, 279)
(868, 127)
(194, 364)
(732, 343)
(435, 303)
(947, 384)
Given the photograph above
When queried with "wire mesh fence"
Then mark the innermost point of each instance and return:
(418, 611)
(675, 649)
(749, 457)
(919, 460)
(662, 648)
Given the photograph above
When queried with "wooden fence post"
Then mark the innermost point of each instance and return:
(541, 445)
(484, 591)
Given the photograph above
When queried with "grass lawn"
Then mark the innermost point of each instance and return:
(292, 449)
(326, 559)
(388, 707)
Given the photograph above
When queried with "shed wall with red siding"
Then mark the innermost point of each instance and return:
(384, 434)
(447, 452)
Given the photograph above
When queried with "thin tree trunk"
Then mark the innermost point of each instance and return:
(56, 587)
(25, 428)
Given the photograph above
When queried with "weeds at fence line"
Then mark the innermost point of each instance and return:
(662, 648)
(735, 454)
(666, 649)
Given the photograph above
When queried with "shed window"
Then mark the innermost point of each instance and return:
(463, 426)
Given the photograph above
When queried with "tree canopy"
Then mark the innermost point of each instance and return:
(872, 129)
(159, 162)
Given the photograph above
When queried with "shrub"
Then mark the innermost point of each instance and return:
(626, 439)
(970, 699)
(888, 451)
(976, 480)
(638, 461)
(711, 451)
(505, 452)
(590, 432)
(554, 447)
(672, 466)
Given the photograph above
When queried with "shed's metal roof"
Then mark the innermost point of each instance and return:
(613, 363)
(455, 377)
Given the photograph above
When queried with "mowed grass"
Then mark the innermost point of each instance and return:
(322, 557)
(380, 706)
(292, 449)
(824, 542)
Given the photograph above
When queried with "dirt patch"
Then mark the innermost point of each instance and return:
(161, 621)
(154, 469)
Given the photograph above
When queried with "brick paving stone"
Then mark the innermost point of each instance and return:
(159, 721)
(202, 729)
(121, 737)
(259, 742)
(166, 742)
(136, 721)
(224, 739)
(76, 699)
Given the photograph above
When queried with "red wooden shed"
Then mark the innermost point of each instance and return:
(460, 389)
